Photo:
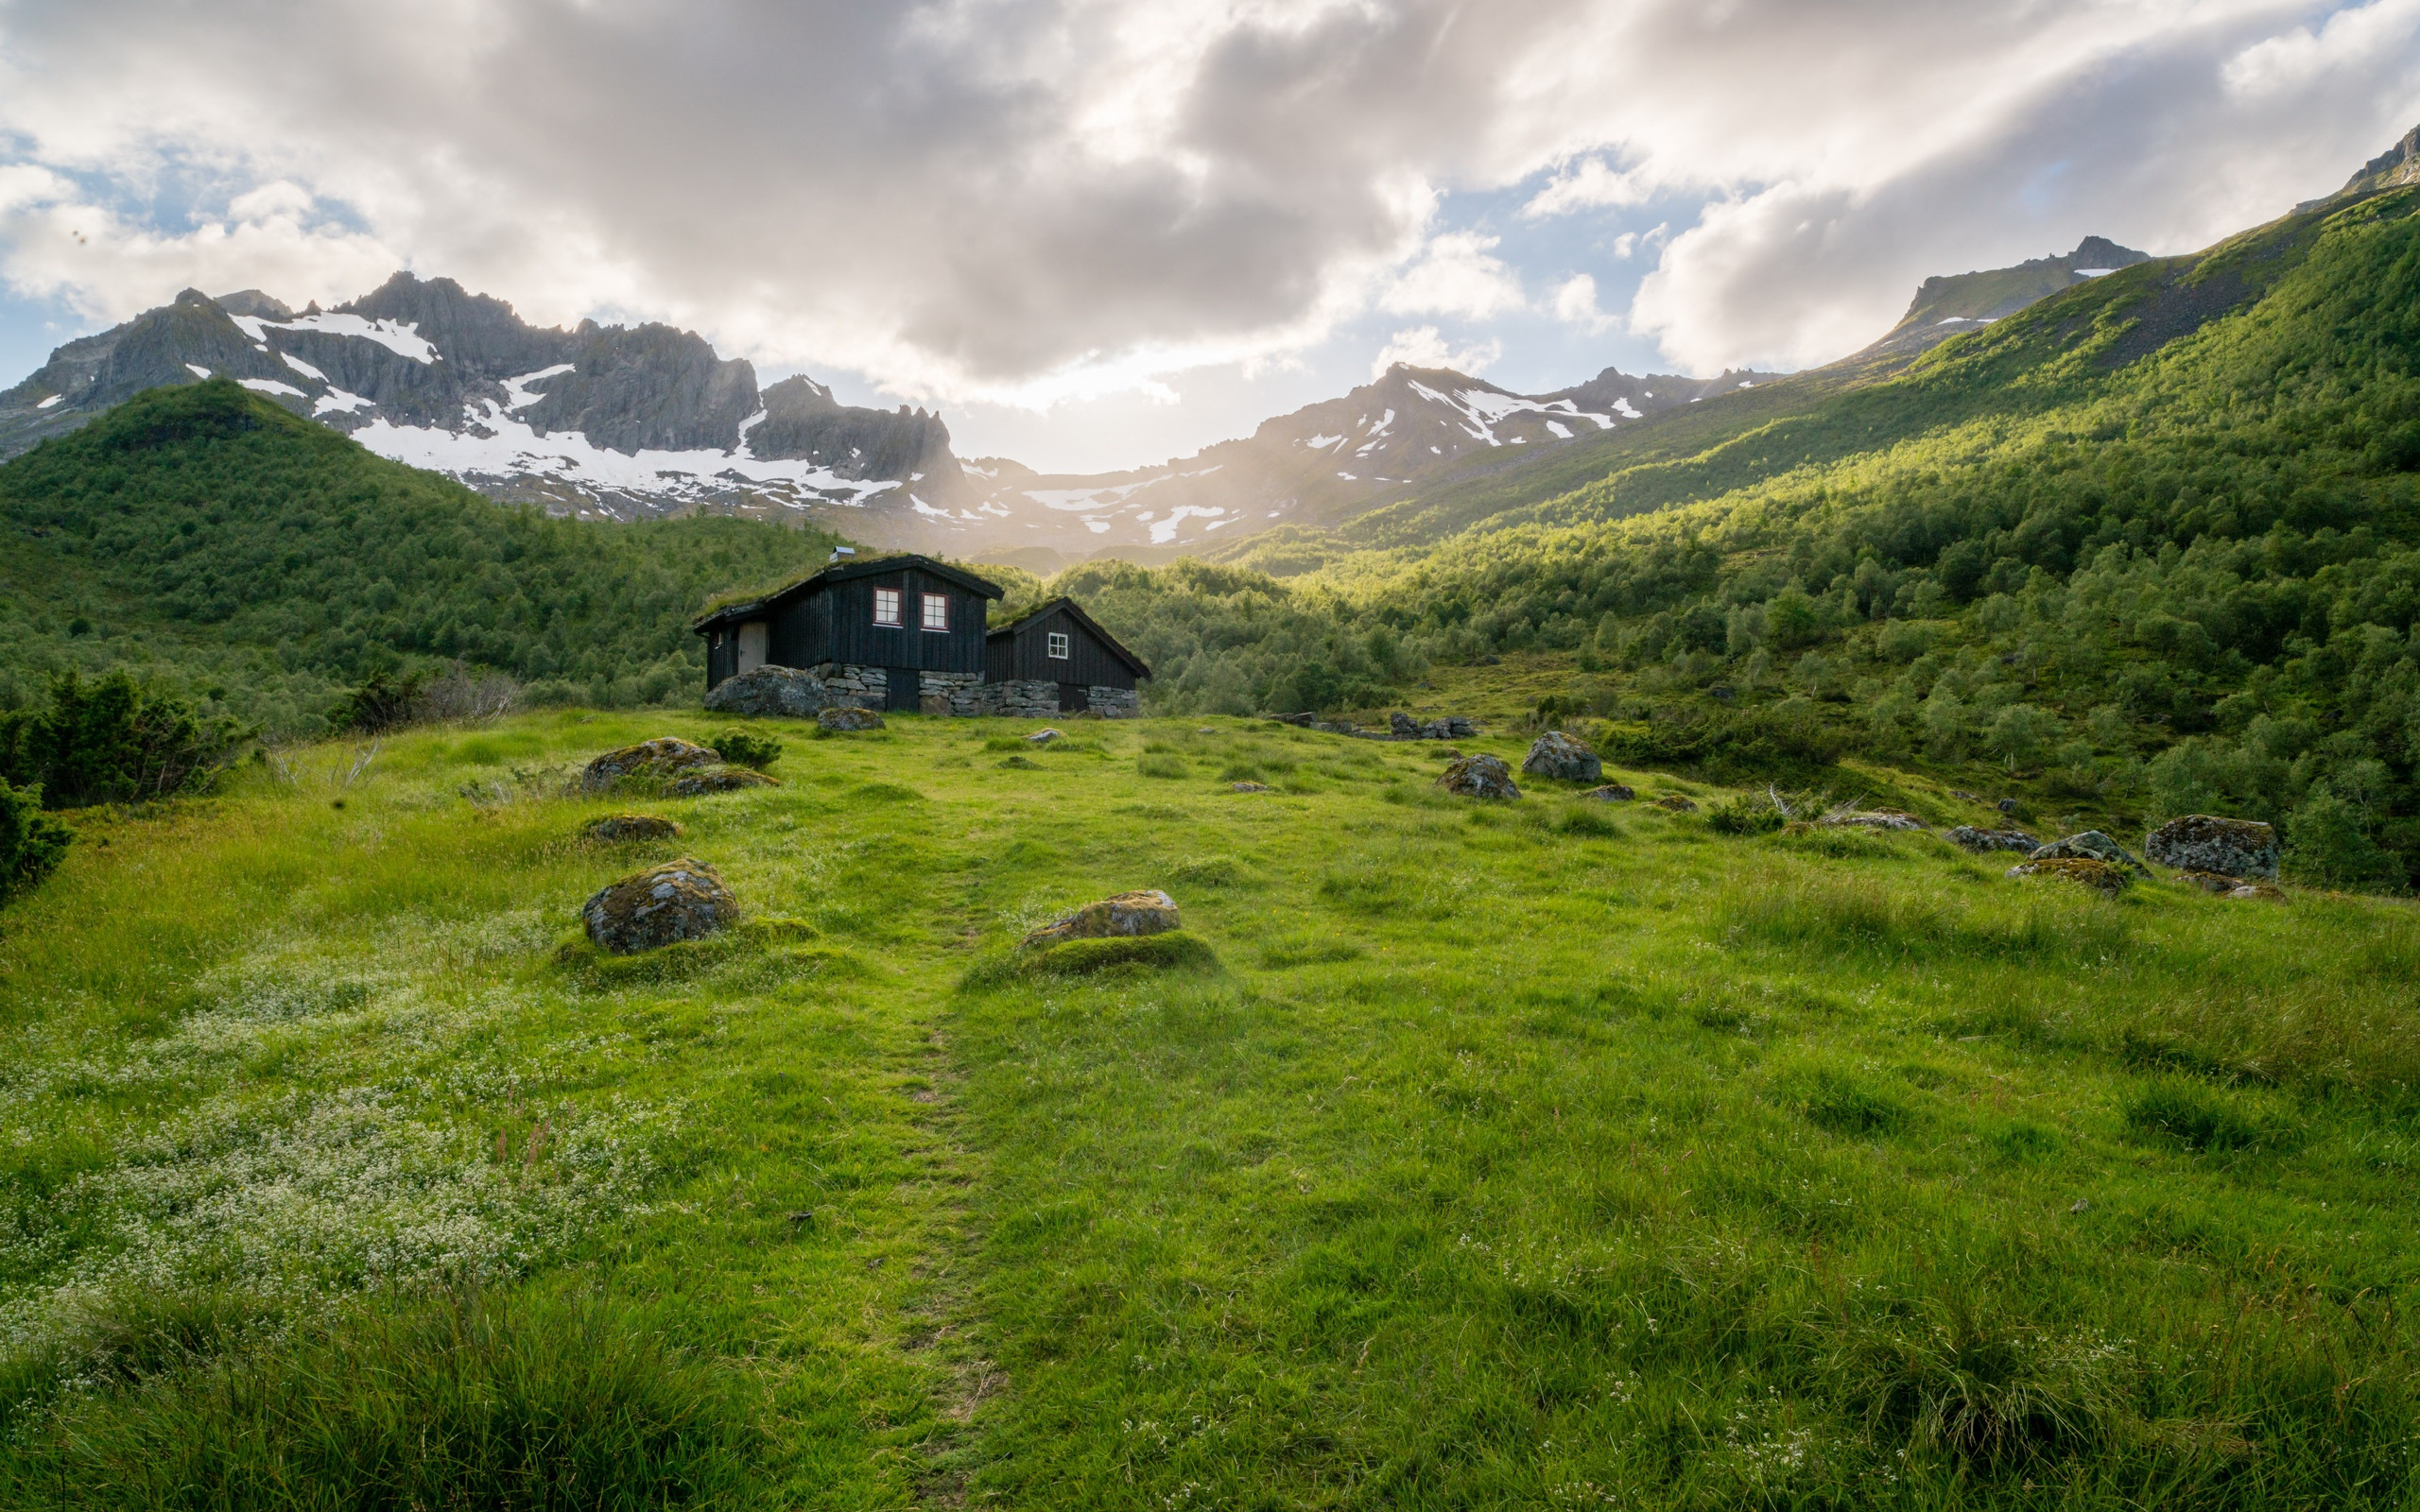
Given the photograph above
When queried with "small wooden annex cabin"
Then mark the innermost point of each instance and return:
(1059, 644)
(916, 621)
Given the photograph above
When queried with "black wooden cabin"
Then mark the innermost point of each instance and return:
(1060, 643)
(906, 614)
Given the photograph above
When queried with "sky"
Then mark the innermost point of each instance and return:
(1098, 234)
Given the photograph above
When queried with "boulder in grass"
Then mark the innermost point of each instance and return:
(1611, 793)
(2221, 884)
(1876, 820)
(2090, 845)
(1250, 788)
(842, 719)
(1147, 912)
(1675, 803)
(657, 759)
(2104, 877)
(1480, 777)
(780, 691)
(621, 829)
(662, 905)
(719, 779)
(1044, 737)
(2205, 842)
(1982, 842)
(1556, 755)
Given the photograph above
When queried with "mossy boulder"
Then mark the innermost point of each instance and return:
(1674, 804)
(719, 779)
(621, 829)
(2091, 846)
(1984, 842)
(1611, 793)
(841, 721)
(2205, 842)
(658, 760)
(1147, 912)
(662, 905)
(1480, 777)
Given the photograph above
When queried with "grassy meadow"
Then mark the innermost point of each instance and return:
(1551, 1154)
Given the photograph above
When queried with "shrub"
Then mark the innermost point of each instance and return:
(380, 704)
(31, 842)
(741, 749)
(112, 740)
(1748, 814)
(2328, 844)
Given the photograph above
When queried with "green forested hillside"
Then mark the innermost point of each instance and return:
(206, 537)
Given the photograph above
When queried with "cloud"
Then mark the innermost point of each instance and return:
(1029, 201)
(1423, 348)
(1575, 303)
(1458, 275)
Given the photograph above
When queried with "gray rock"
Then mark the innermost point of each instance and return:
(1967, 837)
(848, 719)
(1875, 819)
(1611, 793)
(1148, 912)
(1480, 777)
(1250, 788)
(681, 899)
(1044, 737)
(2203, 842)
(657, 759)
(1556, 755)
(2090, 845)
(2107, 877)
(781, 692)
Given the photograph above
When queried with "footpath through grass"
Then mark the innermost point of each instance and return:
(1548, 1154)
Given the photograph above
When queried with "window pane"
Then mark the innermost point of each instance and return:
(936, 611)
(1058, 645)
(886, 605)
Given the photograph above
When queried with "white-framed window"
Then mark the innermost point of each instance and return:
(1057, 646)
(886, 605)
(937, 612)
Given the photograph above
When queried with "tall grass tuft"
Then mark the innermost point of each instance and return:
(474, 1401)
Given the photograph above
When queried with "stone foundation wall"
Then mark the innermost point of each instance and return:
(853, 686)
(1115, 703)
(959, 694)
(1021, 698)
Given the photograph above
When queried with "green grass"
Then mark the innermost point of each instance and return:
(1541, 1154)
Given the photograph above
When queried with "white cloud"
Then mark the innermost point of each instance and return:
(1423, 348)
(1575, 303)
(1459, 274)
(1590, 185)
(1033, 201)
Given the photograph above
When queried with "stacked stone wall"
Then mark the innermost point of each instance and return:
(958, 693)
(853, 686)
(1021, 698)
(1115, 703)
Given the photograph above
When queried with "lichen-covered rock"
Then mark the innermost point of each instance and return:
(1480, 777)
(1967, 837)
(2090, 845)
(679, 899)
(1611, 793)
(2203, 842)
(620, 829)
(1044, 737)
(781, 692)
(842, 719)
(1250, 788)
(1876, 820)
(1556, 755)
(2255, 892)
(2100, 876)
(1674, 802)
(719, 779)
(655, 760)
(1147, 912)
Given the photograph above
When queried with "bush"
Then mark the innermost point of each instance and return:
(31, 842)
(112, 740)
(1748, 814)
(380, 704)
(741, 749)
